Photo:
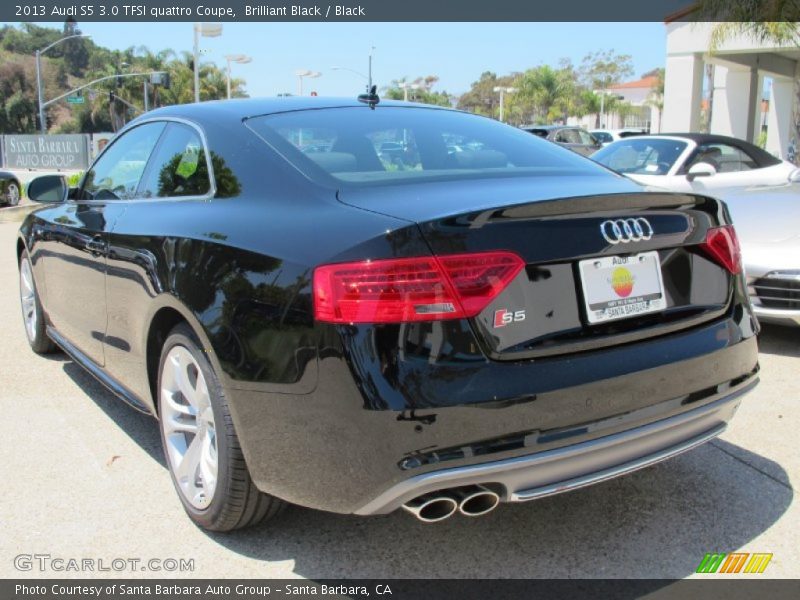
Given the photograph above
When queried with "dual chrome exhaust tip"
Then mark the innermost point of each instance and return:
(470, 501)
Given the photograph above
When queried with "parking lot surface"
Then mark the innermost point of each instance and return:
(85, 478)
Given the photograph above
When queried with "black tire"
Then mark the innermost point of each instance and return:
(37, 335)
(13, 192)
(236, 502)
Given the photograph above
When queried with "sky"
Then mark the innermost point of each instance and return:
(457, 52)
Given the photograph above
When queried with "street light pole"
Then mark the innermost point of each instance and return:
(106, 78)
(354, 72)
(603, 92)
(229, 79)
(195, 58)
(304, 73)
(42, 124)
(237, 58)
(205, 30)
(39, 87)
(602, 108)
(503, 91)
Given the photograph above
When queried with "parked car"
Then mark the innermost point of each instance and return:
(574, 138)
(391, 151)
(607, 136)
(329, 329)
(767, 219)
(10, 189)
(698, 162)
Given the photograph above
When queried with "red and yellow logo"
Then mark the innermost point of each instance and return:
(622, 282)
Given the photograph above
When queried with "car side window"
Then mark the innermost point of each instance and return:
(603, 137)
(178, 166)
(568, 136)
(724, 158)
(586, 138)
(733, 159)
(116, 174)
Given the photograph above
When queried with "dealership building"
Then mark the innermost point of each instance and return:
(735, 77)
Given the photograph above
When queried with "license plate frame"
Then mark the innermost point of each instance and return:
(621, 287)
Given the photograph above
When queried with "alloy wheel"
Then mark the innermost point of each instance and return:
(187, 420)
(27, 294)
(12, 193)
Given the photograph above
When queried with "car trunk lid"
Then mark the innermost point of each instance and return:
(605, 263)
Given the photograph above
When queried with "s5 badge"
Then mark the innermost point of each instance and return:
(505, 317)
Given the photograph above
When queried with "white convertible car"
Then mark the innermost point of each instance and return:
(694, 162)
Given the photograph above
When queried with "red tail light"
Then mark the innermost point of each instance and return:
(722, 246)
(428, 288)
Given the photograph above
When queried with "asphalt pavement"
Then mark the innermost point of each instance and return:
(85, 478)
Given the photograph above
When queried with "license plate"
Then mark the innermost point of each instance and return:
(617, 287)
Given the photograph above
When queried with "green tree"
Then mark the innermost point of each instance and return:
(18, 108)
(75, 51)
(544, 90)
(656, 97)
(569, 104)
(604, 68)
(481, 97)
(422, 91)
(74, 62)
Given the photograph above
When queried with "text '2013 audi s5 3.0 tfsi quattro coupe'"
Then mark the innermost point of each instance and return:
(315, 321)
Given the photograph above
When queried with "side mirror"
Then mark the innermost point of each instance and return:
(794, 176)
(48, 189)
(701, 169)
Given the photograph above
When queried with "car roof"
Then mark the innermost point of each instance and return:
(760, 156)
(548, 127)
(704, 138)
(243, 108)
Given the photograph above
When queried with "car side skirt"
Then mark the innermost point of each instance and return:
(114, 386)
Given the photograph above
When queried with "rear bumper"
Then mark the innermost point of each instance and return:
(571, 467)
(379, 419)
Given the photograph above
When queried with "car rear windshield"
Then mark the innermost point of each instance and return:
(390, 145)
(643, 156)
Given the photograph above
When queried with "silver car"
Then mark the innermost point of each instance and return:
(767, 220)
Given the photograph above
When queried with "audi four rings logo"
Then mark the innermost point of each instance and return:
(622, 231)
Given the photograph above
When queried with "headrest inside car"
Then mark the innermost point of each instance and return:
(481, 159)
(334, 162)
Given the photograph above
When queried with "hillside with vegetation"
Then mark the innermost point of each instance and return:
(78, 61)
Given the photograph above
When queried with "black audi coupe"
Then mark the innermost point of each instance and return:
(475, 316)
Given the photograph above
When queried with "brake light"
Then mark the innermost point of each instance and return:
(722, 246)
(427, 288)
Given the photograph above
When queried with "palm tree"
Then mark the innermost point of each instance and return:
(655, 98)
(544, 88)
(763, 20)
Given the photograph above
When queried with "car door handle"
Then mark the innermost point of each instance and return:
(96, 246)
